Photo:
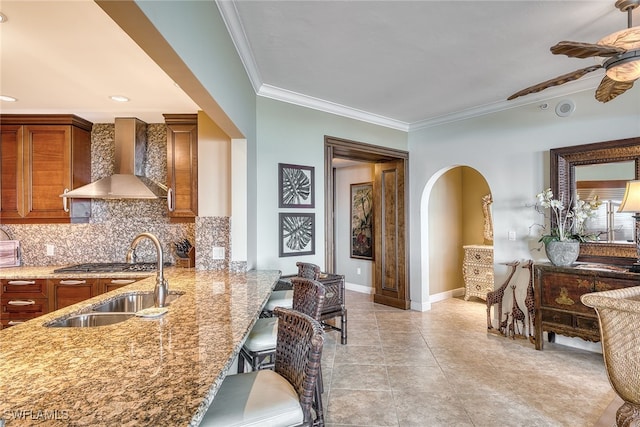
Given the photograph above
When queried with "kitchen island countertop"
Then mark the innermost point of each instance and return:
(140, 372)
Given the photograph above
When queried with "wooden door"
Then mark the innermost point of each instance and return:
(390, 272)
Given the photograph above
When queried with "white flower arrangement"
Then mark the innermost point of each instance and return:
(567, 224)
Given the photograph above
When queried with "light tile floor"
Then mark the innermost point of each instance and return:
(442, 368)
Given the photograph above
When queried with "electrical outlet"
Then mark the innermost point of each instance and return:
(512, 235)
(51, 250)
(358, 271)
(218, 252)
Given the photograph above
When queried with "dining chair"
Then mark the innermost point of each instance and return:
(286, 396)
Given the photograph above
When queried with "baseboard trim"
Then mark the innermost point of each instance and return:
(446, 295)
(358, 288)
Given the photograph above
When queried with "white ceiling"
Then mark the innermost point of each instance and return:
(403, 64)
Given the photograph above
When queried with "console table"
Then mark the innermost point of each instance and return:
(558, 308)
(334, 305)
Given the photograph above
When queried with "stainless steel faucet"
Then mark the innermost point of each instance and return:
(161, 289)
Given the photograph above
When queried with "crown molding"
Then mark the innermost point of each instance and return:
(291, 97)
(231, 19)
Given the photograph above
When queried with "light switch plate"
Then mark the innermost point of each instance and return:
(218, 252)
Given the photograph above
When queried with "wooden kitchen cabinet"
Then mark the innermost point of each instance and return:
(110, 284)
(22, 299)
(41, 156)
(72, 290)
(182, 166)
(557, 292)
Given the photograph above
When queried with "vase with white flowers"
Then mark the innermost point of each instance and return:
(567, 226)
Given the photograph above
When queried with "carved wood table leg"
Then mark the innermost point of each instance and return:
(628, 415)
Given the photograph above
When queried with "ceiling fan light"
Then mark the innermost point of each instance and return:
(625, 72)
(625, 68)
(628, 39)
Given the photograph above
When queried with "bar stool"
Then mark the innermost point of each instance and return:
(284, 396)
(260, 346)
(284, 297)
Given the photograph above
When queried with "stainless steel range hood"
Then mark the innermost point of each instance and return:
(130, 181)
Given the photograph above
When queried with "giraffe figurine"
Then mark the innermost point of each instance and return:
(504, 324)
(495, 297)
(530, 303)
(517, 315)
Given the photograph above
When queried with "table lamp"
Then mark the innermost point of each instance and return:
(631, 203)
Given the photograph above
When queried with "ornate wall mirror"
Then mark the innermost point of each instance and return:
(601, 169)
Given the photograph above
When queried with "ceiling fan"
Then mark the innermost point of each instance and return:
(621, 53)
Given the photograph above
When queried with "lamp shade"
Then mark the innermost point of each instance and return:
(631, 200)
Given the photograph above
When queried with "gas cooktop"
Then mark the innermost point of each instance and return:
(109, 267)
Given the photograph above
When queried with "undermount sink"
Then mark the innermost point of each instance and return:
(130, 303)
(116, 310)
(91, 319)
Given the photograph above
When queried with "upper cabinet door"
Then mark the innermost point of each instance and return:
(182, 166)
(44, 160)
(48, 158)
(11, 172)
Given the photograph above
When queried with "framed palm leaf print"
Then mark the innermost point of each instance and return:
(297, 234)
(295, 186)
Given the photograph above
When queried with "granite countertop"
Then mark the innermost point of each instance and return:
(143, 371)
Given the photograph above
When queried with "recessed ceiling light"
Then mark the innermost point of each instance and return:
(3, 18)
(119, 98)
(7, 98)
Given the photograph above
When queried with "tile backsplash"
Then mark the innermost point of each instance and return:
(115, 223)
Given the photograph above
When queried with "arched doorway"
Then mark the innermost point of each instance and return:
(451, 216)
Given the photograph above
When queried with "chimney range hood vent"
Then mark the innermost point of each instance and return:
(130, 155)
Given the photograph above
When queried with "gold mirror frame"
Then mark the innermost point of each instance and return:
(562, 166)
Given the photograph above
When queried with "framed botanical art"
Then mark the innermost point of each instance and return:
(362, 220)
(297, 234)
(295, 186)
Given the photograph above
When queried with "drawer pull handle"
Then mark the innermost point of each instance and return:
(22, 282)
(73, 282)
(65, 205)
(14, 322)
(122, 281)
(21, 302)
(171, 204)
(329, 294)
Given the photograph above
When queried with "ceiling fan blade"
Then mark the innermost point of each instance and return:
(584, 50)
(610, 88)
(574, 75)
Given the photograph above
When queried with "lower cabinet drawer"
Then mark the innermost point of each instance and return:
(588, 323)
(22, 300)
(334, 293)
(18, 318)
(559, 317)
(31, 288)
(22, 307)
